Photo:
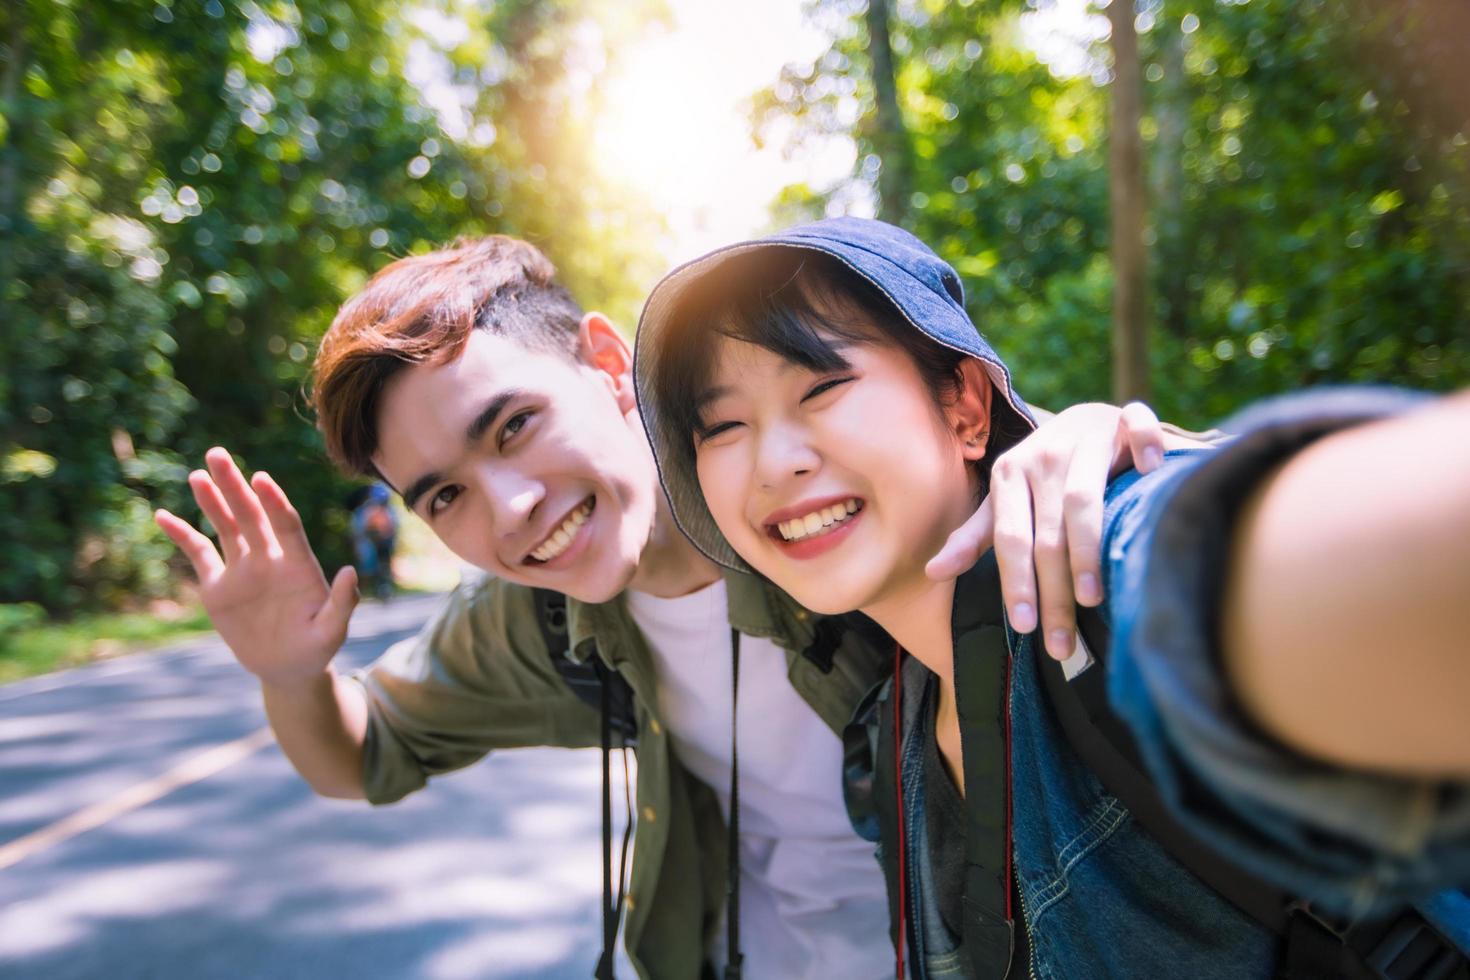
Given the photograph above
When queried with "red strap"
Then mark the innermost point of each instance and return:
(903, 878)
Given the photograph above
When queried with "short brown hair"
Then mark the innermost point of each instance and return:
(420, 310)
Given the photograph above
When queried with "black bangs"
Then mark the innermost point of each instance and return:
(798, 304)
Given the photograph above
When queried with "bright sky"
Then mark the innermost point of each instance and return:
(677, 131)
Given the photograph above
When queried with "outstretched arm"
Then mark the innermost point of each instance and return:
(270, 602)
(1344, 626)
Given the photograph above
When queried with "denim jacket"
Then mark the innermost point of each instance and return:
(1098, 895)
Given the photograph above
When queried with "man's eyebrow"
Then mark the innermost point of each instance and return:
(486, 419)
(419, 487)
(481, 424)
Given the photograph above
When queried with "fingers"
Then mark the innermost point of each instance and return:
(1143, 437)
(330, 622)
(965, 545)
(244, 505)
(284, 520)
(195, 546)
(1053, 569)
(212, 503)
(1010, 496)
(1082, 515)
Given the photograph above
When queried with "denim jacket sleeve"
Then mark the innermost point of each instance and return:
(1351, 841)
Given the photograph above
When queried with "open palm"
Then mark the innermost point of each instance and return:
(263, 588)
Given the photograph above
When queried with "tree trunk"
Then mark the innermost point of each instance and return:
(1173, 254)
(889, 139)
(10, 152)
(1126, 194)
(10, 216)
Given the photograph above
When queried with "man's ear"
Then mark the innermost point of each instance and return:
(969, 413)
(602, 347)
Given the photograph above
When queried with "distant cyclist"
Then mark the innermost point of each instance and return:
(374, 531)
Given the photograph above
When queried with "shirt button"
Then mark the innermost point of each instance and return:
(655, 727)
(650, 814)
(628, 901)
(801, 615)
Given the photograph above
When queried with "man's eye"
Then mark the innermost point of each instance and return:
(514, 424)
(443, 499)
(825, 386)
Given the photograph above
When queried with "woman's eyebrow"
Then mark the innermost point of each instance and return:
(708, 395)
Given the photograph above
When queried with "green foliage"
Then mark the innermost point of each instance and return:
(187, 193)
(19, 616)
(29, 645)
(1311, 215)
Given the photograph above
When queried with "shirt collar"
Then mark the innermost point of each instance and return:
(756, 608)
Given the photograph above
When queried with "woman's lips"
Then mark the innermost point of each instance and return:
(819, 543)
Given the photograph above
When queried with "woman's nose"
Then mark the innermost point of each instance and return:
(785, 453)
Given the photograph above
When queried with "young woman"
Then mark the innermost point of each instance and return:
(1286, 620)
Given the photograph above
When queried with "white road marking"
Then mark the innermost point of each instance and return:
(197, 767)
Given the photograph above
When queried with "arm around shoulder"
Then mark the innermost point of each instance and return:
(1344, 617)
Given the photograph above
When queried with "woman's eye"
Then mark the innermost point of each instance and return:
(514, 424)
(443, 499)
(718, 429)
(825, 386)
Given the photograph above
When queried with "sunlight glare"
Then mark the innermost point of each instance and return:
(675, 128)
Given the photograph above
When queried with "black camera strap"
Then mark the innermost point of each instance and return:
(599, 686)
(734, 958)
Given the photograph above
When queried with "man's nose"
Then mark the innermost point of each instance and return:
(784, 452)
(512, 496)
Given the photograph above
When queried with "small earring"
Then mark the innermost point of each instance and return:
(976, 439)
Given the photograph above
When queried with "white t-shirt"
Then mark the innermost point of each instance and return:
(812, 898)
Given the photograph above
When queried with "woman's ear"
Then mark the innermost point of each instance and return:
(602, 347)
(969, 414)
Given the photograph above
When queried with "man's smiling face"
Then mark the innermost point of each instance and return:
(527, 464)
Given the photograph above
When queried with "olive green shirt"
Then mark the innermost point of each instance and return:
(479, 677)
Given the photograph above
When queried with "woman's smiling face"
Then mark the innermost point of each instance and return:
(837, 485)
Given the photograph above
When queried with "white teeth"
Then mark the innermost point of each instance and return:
(817, 521)
(558, 540)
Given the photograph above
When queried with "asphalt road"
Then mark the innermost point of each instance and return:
(150, 828)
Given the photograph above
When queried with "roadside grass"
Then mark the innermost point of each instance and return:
(29, 645)
(44, 647)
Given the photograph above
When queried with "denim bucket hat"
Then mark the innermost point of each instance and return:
(921, 286)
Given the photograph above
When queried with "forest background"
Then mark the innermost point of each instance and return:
(189, 189)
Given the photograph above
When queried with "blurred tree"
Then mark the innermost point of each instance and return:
(1127, 210)
(1310, 219)
(189, 190)
(890, 137)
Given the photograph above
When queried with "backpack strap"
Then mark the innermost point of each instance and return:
(588, 678)
(1404, 948)
(595, 684)
(981, 678)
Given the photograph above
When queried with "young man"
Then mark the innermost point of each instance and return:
(473, 385)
